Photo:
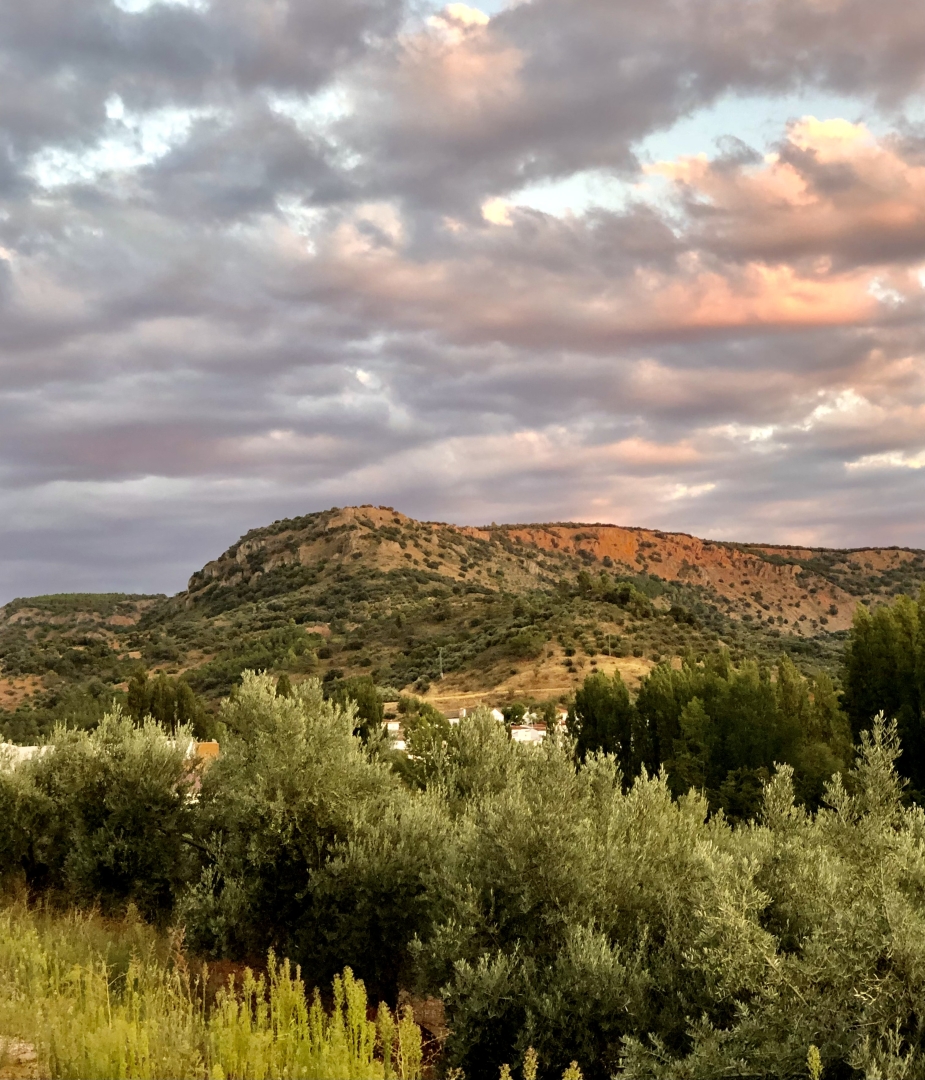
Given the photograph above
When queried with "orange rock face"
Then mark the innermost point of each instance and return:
(758, 580)
(805, 591)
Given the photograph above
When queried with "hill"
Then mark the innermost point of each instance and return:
(456, 614)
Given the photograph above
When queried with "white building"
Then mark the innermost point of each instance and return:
(12, 755)
(527, 733)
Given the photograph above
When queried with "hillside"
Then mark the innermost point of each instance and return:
(453, 613)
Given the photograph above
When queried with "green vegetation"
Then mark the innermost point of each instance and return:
(402, 628)
(603, 719)
(885, 672)
(403, 603)
(361, 692)
(60, 604)
(554, 904)
(102, 818)
(77, 706)
(719, 729)
(722, 730)
(114, 999)
(169, 702)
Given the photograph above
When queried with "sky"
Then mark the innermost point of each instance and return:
(649, 262)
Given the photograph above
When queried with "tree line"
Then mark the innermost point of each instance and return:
(717, 728)
(721, 729)
(570, 897)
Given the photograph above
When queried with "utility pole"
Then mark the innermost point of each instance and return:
(440, 655)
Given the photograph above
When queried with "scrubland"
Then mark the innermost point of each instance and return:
(564, 901)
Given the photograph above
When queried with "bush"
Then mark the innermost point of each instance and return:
(315, 847)
(526, 644)
(368, 712)
(627, 928)
(552, 896)
(102, 817)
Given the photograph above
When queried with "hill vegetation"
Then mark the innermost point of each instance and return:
(454, 615)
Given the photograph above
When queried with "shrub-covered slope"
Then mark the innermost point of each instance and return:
(510, 611)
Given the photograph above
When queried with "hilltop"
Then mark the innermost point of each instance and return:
(454, 613)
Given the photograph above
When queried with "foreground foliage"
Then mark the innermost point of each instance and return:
(101, 999)
(552, 904)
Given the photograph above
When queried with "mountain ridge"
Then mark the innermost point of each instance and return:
(634, 549)
(458, 613)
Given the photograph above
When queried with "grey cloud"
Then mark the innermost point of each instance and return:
(60, 62)
(584, 93)
(271, 317)
(230, 171)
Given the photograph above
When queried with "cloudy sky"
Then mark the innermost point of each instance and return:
(654, 262)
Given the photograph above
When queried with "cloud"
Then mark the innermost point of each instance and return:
(263, 256)
(830, 193)
(547, 88)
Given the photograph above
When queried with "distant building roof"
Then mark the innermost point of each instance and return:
(527, 733)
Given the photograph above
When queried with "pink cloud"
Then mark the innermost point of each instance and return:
(455, 73)
(522, 302)
(831, 190)
(809, 238)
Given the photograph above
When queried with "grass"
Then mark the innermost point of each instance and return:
(103, 998)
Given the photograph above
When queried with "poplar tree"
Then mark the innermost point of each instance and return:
(604, 719)
(884, 671)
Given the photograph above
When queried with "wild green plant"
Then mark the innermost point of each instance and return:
(102, 817)
(90, 1015)
(628, 929)
(548, 902)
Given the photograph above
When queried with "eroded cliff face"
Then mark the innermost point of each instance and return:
(761, 581)
(377, 537)
(813, 588)
(808, 590)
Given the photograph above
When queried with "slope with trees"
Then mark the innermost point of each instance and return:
(550, 902)
(515, 612)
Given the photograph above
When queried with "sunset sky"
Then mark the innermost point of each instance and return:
(650, 262)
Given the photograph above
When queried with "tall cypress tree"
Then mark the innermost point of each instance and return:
(137, 696)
